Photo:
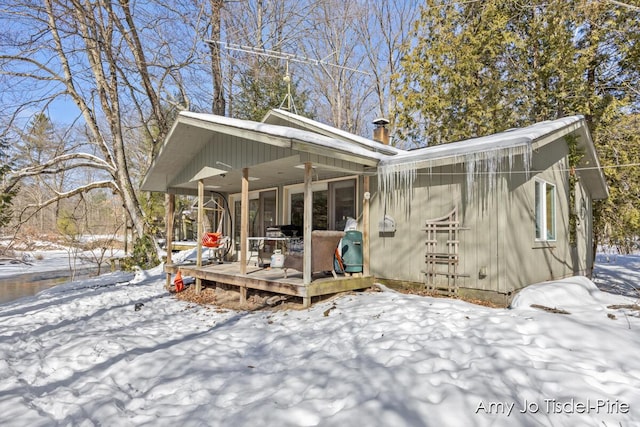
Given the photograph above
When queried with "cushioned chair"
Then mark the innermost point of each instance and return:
(323, 249)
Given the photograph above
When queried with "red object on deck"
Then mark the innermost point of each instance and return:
(339, 259)
(178, 283)
(211, 240)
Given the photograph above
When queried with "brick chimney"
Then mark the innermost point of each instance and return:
(381, 133)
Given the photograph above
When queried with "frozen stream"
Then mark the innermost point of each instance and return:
(31, 272)
(28, 284)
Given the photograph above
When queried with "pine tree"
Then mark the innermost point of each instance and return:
(451, 83)
(482, 67)
(617, 219)
(264, 88)
(477, 68)
(6, 195)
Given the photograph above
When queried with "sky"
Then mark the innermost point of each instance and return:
(120, 350)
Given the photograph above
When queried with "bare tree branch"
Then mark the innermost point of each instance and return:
(46, 168)
(65, 195)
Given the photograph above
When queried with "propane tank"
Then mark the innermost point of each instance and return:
(277, 259)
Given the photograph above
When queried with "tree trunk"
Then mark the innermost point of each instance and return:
(219, 106)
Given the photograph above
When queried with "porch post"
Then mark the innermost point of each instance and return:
(170, 206)
(200, 231)
(365, 228)
(307, 224)
(244, 220)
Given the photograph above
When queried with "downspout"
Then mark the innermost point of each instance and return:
(366, 270)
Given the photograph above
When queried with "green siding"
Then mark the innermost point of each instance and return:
(499, 226)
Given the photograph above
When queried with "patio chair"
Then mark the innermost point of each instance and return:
(217, 244)
(323, 249)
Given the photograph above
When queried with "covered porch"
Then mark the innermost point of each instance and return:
(207, 154)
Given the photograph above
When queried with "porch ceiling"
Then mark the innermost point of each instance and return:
(284, 171)
(192, 132)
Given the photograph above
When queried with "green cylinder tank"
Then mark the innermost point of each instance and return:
(352, 251)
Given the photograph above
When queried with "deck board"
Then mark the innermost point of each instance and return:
(271, 280)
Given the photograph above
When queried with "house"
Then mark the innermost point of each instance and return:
(480, 218)
(488, 216)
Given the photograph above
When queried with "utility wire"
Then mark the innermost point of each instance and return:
(530, 171)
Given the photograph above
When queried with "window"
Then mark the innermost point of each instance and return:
(333, 203)
(545, 199)
(342, 203)
(262, 213)
(319, 216)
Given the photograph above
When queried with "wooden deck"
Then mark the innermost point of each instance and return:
(271, 280)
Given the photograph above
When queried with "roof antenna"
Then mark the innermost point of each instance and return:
(288, 99)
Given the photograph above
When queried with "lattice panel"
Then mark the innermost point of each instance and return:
(442, 256)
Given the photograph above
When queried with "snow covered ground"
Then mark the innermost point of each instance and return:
(44, 261)
(81, 354)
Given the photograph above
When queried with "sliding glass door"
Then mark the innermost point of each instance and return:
(319, 210)
(263, 211)
(342, 203)
(333, 203)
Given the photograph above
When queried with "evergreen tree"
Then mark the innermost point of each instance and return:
(451, 83)
(617, 219)
(6, 195)
(482, 67)
(545, 72)
(477, 68)
(264, 88)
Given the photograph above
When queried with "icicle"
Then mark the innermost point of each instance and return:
(486, 166)
(482, 168)
(396, 184)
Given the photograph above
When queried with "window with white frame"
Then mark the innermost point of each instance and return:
(545, 210)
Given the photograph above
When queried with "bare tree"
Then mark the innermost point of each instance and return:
(258, 28)
(361, 40)
(127, 67)
(123, 75)
(219, 104)
(383, 31)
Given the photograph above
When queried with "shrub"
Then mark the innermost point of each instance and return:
(144, 254)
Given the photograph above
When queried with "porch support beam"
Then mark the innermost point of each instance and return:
(170, 206)
(366, 271)
(244, 220)
(200, 232)
(307, 223)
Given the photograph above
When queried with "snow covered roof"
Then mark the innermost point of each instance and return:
(281, 135)
(191, 132)
(485, 153)
(456, 151)
(286, 118)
